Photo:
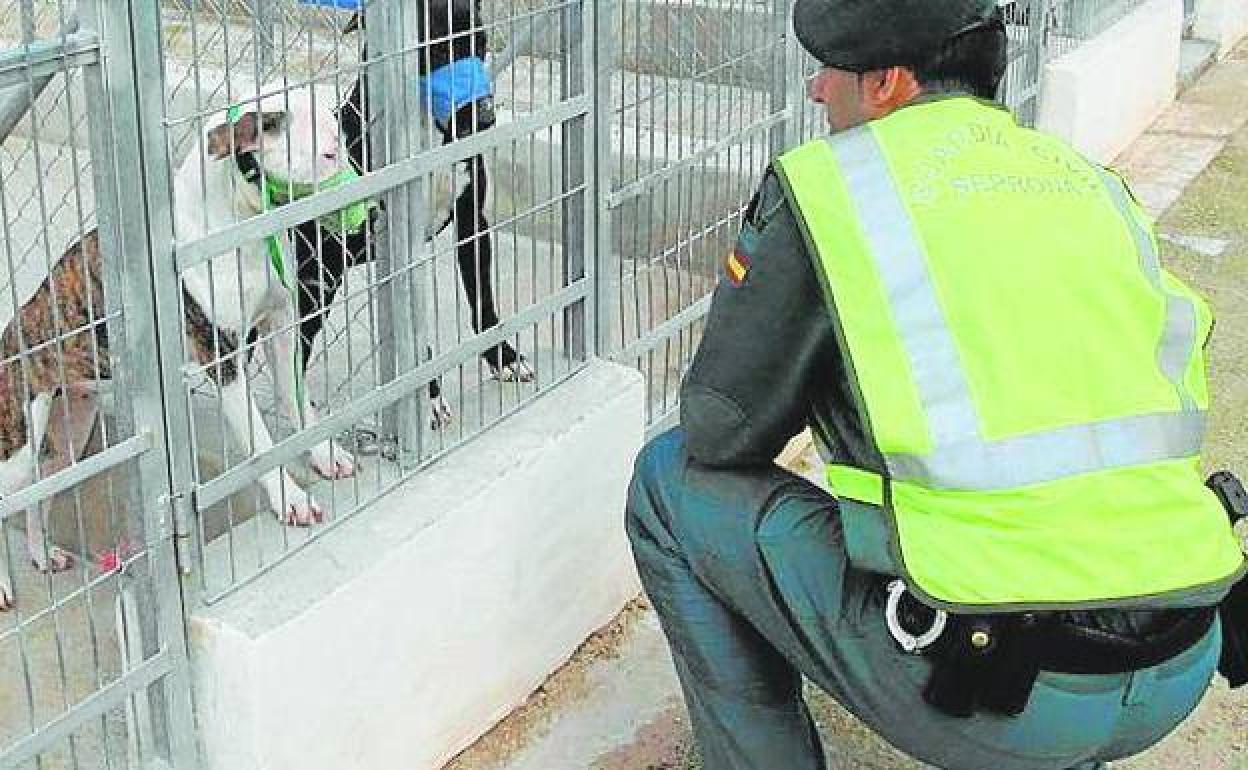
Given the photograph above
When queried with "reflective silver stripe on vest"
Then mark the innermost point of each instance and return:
(902, 267)
(962, 459)
(1055, 454)
(1178, 341)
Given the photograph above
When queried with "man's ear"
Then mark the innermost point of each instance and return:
(243, 135)
(887, 89)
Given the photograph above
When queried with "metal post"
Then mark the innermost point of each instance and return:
(28, 21)
(151, 289)
(401, 315)
(606, 34)
(781, 135)
(135, 621)
(795, 75)
(264, 32)
(575, 172)
(1036, 56)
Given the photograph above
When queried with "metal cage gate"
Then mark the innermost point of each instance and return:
(93, 658)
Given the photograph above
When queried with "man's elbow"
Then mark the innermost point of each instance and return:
(716, 429)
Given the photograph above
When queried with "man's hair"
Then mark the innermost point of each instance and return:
(973, 60)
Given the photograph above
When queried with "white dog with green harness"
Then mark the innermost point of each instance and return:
(285, 148)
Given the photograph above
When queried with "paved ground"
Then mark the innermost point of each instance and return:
(616, 705)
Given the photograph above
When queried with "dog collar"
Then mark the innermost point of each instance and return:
(277, 191)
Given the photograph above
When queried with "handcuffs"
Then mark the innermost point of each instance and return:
(910, 643)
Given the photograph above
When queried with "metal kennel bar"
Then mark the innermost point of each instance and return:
(692, 103)
(93, 654)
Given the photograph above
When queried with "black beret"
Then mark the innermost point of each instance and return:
(862, 35)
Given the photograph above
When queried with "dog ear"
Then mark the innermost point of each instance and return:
(356, 23)
(243, 135)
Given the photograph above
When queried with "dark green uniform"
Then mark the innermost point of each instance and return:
(759, 577)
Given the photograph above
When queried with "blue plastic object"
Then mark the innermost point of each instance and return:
(453, 85)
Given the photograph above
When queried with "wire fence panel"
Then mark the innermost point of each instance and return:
(91, 646)
(1028, 28)
(695, 101)
(383, 255)
(699, 97)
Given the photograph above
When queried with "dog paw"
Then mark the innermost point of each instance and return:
(332, 461)
(7, 600)
(55, 560)
(441, 414)
(517, 371)
(302, 514)
(300, 509)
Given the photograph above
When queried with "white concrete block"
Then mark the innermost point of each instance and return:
(1224, 22)
(1108, 91)
(403, 635)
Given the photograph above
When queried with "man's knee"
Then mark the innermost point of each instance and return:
(657, 462)
(662, 453)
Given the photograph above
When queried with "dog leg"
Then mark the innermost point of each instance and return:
(288, 501)
(16, 473)
(329, 459)
(67, 427)
(475, 252)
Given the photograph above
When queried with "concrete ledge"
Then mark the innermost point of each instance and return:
(1224, 22)
(402, 636)
(1108, 91)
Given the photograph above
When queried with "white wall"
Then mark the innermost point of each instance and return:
(1225, 22)
(1108, 91)
(395, 644)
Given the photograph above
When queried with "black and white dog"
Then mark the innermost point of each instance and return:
(458, 36)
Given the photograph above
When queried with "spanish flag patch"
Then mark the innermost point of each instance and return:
(737, 266)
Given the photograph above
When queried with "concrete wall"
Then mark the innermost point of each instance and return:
(1224, 22)
(1106, 92)
(402, 636)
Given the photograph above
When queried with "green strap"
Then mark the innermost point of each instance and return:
(278, 262)
(274, 192)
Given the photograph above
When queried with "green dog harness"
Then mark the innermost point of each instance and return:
(276, 191)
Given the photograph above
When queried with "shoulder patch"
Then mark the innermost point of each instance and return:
(737, 263)
(737, 266)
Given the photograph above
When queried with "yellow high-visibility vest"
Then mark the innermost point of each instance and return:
(1031, 376)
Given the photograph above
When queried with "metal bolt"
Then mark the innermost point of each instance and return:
(980, 639)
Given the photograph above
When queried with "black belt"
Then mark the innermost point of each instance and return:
(990, 662)
(1075, 649)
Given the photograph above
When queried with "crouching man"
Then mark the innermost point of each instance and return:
(1019, 566)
